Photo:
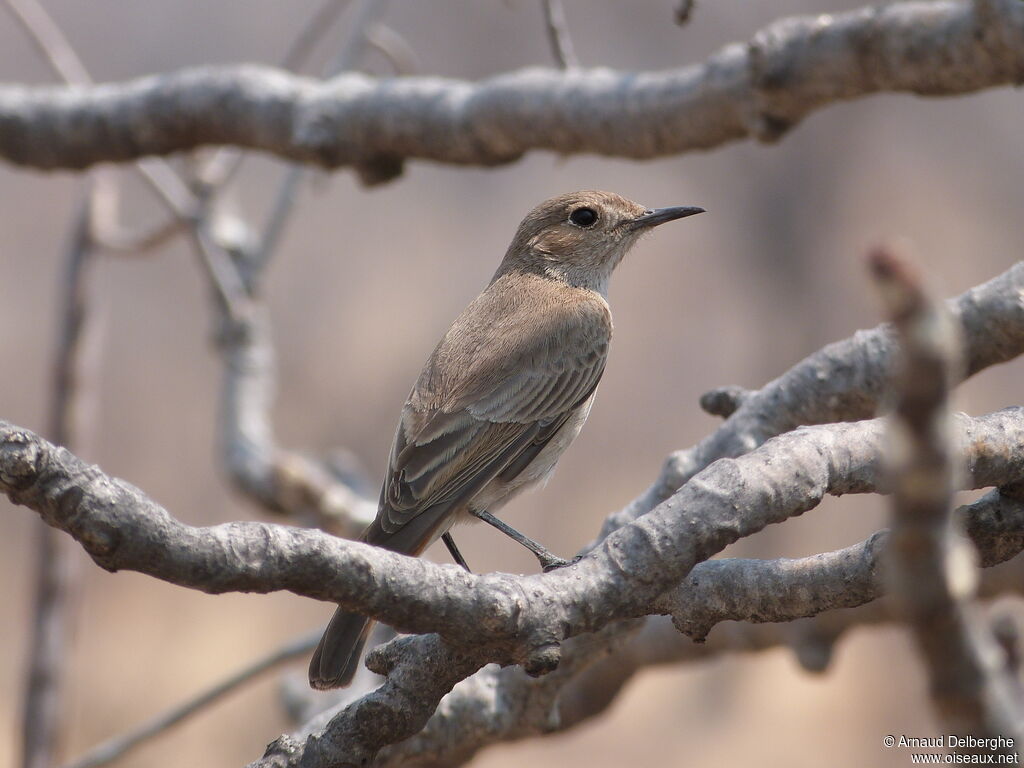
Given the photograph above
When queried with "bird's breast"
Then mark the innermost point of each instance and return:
(499, 492)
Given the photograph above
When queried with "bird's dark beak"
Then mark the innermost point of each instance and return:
(661, 215)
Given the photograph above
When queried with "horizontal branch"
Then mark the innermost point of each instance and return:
(759, 89)
(812, 640)
(121, 528)
(782, 590)
(502, 704)
(487, 618)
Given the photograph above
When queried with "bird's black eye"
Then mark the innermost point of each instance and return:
(583, 217)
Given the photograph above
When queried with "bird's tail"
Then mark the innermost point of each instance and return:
(336, 658)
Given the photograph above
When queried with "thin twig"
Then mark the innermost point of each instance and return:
(273, 230)
(558, 34)
(365, 14)
(350, 50)
(226, 161)
(49, 40)
(312, 32)
(119, 745)
(277, 479)
(41, 723)
(393, 47)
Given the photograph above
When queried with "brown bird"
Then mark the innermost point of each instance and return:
(503, 394)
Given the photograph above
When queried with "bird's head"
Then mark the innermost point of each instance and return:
(582, 236)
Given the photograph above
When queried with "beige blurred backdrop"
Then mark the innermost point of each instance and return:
(365, 283)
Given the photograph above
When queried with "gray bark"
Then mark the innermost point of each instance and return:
(759, 89)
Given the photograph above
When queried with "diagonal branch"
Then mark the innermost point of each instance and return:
(759, 89)
(114, 748)
(279, 479)
(557, 28)
(526, 616)
(843, 381)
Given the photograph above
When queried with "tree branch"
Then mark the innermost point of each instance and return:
(525, 616)
(843, 381)
(557, 29)
(281, 480)
(760, 90)
(811, 639)
(931, 569)
(488, 618)
(521, 620)
(782, 590)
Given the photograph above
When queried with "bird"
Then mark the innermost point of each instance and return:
(503, 394)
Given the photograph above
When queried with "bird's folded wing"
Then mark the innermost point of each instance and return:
(498, 415)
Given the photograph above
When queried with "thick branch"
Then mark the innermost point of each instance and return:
(122, 529)
(494, 617)
(759, 89)
(812, 639)
(502, 704)
(783, 590)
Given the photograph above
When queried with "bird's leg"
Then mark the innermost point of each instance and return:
(456, 555)
(548, 560)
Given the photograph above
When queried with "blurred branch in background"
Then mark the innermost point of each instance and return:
(50, 644)
(279, 480)
(299, 485)
(760, 90)
(933, 568)
(118, 746)
(558, 34)
(43, 711)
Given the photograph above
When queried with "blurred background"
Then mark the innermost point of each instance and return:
(365, 283)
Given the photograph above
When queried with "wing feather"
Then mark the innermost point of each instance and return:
(469, 421)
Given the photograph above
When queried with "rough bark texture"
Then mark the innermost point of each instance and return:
(759, 89)
(489, 618)
(558, 625)
(840, 382)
